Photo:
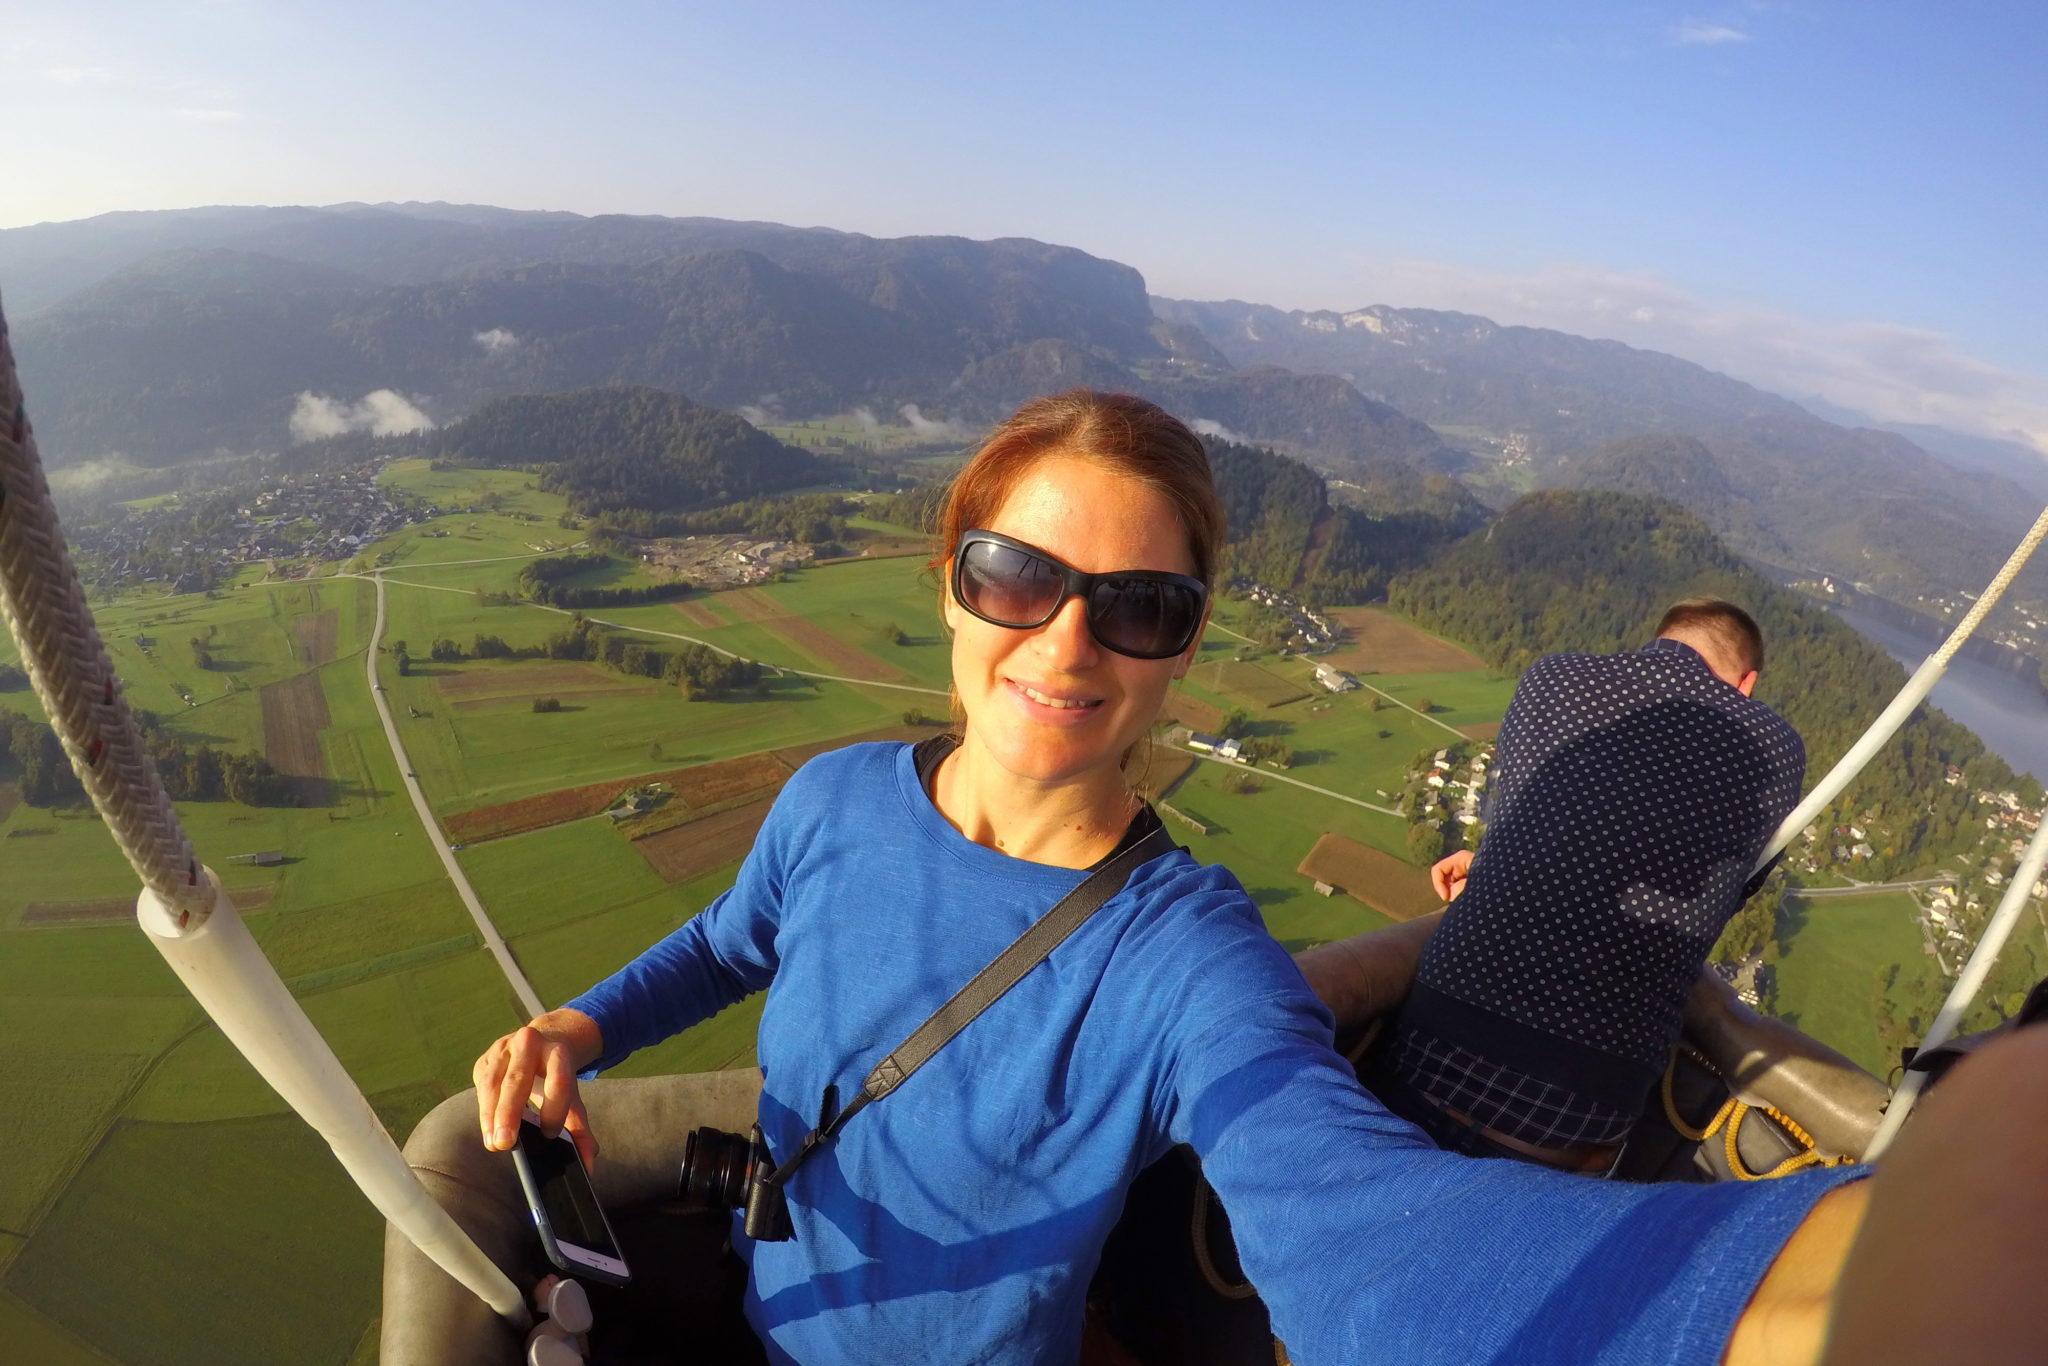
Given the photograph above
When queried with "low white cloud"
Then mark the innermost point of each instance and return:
(496, 341)
(1205, 427)
(64, 74)
(1893, 371)
(382, 412)
(931, 428)
(755, 414)
(865, 416)
(1693, 33)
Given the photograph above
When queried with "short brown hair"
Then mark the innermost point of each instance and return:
(1728, 626)
(1128, 434)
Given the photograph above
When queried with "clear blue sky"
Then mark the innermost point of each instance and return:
(1836, 198)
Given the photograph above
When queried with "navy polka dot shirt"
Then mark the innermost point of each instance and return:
(1631, 795)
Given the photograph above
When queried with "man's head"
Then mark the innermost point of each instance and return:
(1726, 637)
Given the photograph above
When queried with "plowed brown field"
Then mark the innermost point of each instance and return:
(313, 635)
(1156, 769)
(1383, 643)
(1484, 730)
(751, 604)
(1192, 712)
(699, 614)
(294, 714)
(1397, 890)
(10, 797)
(686, 851)
(698, 786)
(837, 655)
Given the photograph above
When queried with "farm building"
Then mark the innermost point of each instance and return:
(1336, 680)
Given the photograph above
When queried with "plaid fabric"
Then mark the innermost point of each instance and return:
(1504, 1100)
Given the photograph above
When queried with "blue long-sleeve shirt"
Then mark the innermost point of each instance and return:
(960, 1219)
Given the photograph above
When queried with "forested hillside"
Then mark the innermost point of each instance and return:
(1286, 532)
(1785, 485)
(1594, 571)
(628, 448)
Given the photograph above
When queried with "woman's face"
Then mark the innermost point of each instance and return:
(1050, 704)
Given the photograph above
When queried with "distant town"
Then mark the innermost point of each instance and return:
(193, 541)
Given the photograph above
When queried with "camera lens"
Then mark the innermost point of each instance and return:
(714, 1169)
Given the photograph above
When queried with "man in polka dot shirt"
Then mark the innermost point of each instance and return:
(1631, 796)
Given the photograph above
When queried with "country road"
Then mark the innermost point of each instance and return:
(495, 942)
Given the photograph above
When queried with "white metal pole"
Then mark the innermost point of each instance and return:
(1912, 695)
(1968, 983)
(220, 964)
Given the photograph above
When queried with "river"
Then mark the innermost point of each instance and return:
(2009, 713)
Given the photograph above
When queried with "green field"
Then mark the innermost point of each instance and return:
(152, 1145)
(1833, 968)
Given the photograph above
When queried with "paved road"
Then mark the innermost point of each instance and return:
(1283, 778)
(650, 631)
(1860, 888)
(493, 941)
(1217, 625)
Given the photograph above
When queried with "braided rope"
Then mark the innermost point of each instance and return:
(1994, 590)
(44, 606)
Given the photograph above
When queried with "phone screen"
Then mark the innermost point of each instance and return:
(565, 1194)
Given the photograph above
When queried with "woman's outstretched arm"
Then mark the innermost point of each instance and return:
(1940, 1256)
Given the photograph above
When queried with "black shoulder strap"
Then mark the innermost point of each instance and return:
(986, 987)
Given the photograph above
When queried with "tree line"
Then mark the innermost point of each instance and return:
(697, 670)
(191, 772)
(817, 519)
(546, 581)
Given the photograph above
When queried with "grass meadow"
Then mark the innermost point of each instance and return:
(153, 1145)
(1832, 972)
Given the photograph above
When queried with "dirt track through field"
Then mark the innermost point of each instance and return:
(686, 851)
(112, 909)
(1397, 890)
(10, 797)
(313, 636)
(1383, 643)
(294, 714)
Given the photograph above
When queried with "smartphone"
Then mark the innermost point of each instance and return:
(573, 1229)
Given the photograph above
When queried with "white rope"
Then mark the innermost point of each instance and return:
(1968, 983)
(182, 911)
(44, 605)
(1912, 695)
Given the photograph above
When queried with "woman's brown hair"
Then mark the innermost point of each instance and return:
(1127, 434)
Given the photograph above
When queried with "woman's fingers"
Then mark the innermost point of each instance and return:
(577, 1125)
(557, 1088)
(504, 1081)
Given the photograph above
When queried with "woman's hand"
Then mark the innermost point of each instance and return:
(1448, 876)
(536, 1065)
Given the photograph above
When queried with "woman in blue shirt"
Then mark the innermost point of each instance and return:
(960, 1218)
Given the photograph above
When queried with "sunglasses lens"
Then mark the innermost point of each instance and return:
(1006, 585)
(1144, 617)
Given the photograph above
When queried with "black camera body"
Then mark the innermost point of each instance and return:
(724, 1171)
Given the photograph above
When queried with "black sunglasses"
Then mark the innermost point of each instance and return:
(1143, 613)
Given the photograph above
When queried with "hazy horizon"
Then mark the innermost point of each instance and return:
(1821, 199)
